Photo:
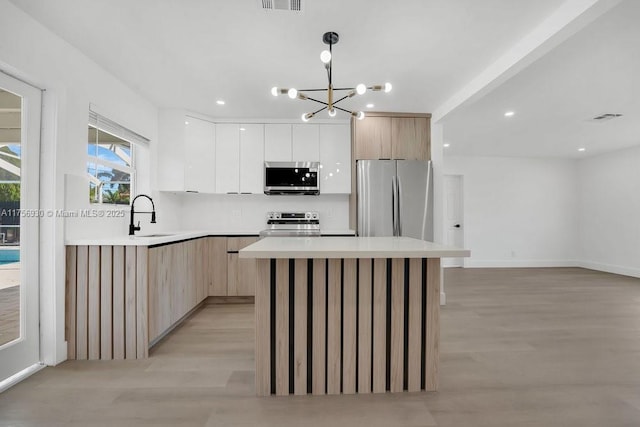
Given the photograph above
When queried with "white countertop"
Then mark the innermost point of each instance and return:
(163, 237)
(158, 238)
(349, 247)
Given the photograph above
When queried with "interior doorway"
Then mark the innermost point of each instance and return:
(454, 216)
(20, 110)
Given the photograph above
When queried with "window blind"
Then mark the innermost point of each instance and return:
(113, 128)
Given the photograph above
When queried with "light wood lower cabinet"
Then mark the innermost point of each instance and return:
(178, 282)
(217, 266)
(121, 299)
(241, 273)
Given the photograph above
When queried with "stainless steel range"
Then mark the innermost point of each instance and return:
(292, 224)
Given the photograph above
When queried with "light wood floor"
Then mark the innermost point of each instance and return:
(520, 347)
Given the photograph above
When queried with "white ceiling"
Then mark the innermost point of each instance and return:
(189, 54)
(594, 72)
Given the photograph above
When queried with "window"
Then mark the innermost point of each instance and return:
(110, 163)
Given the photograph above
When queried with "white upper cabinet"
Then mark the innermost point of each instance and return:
(171, 150)
(199, 152)
(252, 158)
(306, 143)
(227, 158)
(335, 159)
(277, 142)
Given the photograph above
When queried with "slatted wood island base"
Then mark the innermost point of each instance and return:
(347, 315)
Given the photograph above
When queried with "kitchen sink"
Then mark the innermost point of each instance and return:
(153, 235)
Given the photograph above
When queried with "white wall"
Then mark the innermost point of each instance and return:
(609, 212)
(518, 212)
(72, 82)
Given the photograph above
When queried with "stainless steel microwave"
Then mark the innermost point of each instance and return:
(292, 178)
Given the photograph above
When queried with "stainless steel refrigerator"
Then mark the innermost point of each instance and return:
(395, 198)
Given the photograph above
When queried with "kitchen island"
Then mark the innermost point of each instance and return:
(347, 314)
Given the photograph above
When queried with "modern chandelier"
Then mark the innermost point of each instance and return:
(330, 38)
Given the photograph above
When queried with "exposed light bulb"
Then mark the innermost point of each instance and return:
(325, 56)
(387, 87)
(293, 93)
(306, 116)
(332, 112)
(361, 89)
(274, 91)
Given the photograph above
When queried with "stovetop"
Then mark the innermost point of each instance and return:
(292, 224)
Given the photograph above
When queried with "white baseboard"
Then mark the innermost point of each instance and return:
(609, 268)
(519, 263)
(20, 376)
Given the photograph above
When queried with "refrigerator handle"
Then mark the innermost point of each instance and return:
(398, 203)
(394, 204)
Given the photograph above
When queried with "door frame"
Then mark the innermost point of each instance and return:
(461, 262)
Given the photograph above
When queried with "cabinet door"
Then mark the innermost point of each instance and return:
(373, 138)
(171, 149)
(217, 275)
(306, 143)
(252, 158)
(241, 272)
(335, 159)
(277, 142)
(410, 138)
(199, 154)
(227, 158)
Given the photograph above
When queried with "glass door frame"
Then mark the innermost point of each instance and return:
(24, 353)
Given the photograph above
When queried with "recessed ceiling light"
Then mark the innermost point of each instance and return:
(509, 114)
(446, 145)
(582, 149)
(220, 102)
(186, 123)
(370, 105)
(243, 129)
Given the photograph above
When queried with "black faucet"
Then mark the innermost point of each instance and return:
(133, 228)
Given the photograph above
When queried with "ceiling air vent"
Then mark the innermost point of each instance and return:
(282, 5)
(605, 117)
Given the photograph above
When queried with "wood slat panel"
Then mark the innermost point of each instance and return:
(397, 325)
(364, 325)
(82, 300)
(106, 302)
(93, 310)
(300, 322)
(142, 338)
(319, 326)
(433, 324)
(263, 333)
(349, 326)
(282, 327)
(415, 323)
(379, 325)
(333, 327)
(130, 302)
(118, 302)
(70, 314)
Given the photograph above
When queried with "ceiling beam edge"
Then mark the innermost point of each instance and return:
(567, 20)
